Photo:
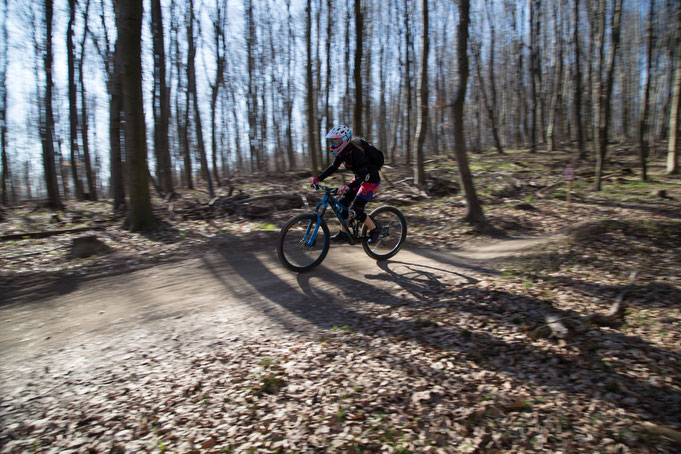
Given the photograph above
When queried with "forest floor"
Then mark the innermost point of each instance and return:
(194, 339)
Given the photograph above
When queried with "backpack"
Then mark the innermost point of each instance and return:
(375, 155)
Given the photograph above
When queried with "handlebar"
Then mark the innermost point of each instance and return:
(330, 189)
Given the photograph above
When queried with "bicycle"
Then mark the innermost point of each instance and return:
(304, 241)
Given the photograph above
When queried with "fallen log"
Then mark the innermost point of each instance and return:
(48, 233)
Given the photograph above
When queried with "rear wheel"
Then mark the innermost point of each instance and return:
(296, 249)
(393, 233)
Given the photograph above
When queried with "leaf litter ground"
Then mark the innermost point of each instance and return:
(440, 367)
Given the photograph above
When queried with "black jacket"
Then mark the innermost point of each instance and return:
(355, 160)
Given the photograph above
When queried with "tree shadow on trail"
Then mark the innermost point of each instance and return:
(597, 363)
(288, 302)
(485, 326)
(420, 281)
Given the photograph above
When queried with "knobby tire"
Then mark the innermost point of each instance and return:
(393, 242)
(294, 255)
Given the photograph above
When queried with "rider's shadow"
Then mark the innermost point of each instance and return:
(421, 281)
(344, 286)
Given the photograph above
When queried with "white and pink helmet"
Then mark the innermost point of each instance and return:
(338, 138)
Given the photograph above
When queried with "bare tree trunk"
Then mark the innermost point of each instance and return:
(62, 169)
(357, 124)
(577, 81)
(89, 175)
(407, 82)
(556, 96)
(112, 64)
(489, 104)
(140, 216)
(161, 102)
(594, 78)
(252, 96)
(3, 112)
(288, 102)
(367, 81)
(675, 115)
(534, 69)
(397, 120)
(327, 88)
(383, 108)
(73, 106)
(422, 99)
(262, 123)
(323, 158)
(191, 86)
(520, 132)
(27, 180)
(218, 36)
(51, 183)
(492, 105)
(643, 119)
(182, 116)
(347, 95)
(310, 91)
(237, 138)
(115, 108)
(604, 109)
(475, 214)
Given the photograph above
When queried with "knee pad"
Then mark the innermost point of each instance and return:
(358, 205)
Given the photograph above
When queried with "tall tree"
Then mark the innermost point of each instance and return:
(73, 107)
(357, 123)
(90, 176)
(327, 88)
(557, 89)
(140, 216)
(422, 99)
(191, 86)
(604, 94)
(491, 100)
(407, 80)
(577, 85)
(288, 100)
(252, 94)
(675, 114)
(3, 109)
(644, 111)
(382, 104)
(110, 57)
(161, 104)
(181, 109)
(474, 214)
(219, 38)
(51, 183)
(312, 141)
(534, 6)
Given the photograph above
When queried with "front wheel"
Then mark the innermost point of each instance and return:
(393, 227)
(303, 242)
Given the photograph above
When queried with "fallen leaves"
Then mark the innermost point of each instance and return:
(491, 364)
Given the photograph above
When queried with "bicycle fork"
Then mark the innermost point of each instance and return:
(310, 237)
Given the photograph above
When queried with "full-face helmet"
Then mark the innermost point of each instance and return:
(338, 138)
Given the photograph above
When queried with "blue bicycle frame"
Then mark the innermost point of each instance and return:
(338, 208)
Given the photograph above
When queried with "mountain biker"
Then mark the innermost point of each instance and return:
(361, 188)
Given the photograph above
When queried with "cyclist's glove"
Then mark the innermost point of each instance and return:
(314, 181)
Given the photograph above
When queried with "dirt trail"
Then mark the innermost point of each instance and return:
(230, 291)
